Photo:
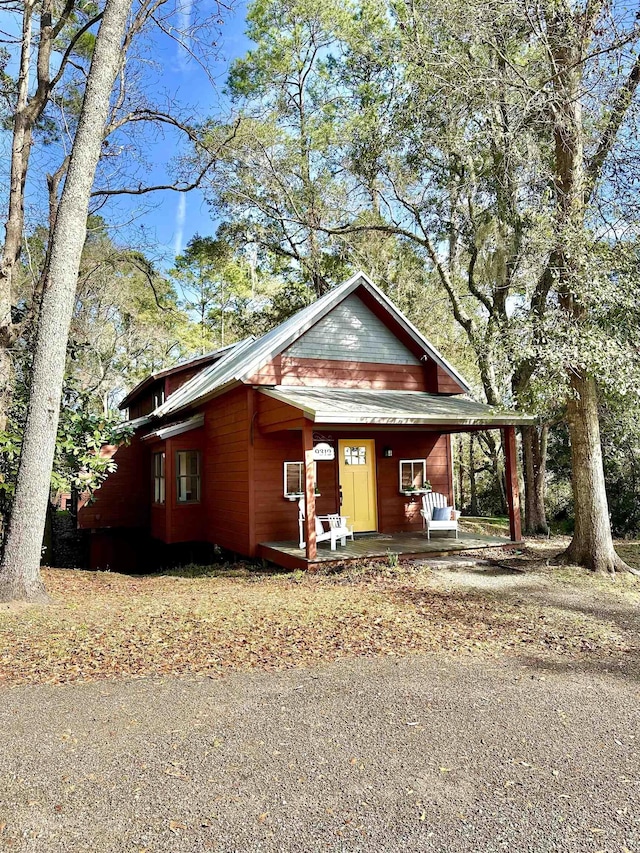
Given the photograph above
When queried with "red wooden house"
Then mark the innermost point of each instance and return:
(345, 404)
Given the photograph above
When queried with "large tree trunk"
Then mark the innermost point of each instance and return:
(20, 568)
(534, 456)
(592, 543)
(20, 148)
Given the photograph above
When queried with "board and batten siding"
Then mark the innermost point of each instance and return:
(351, 332)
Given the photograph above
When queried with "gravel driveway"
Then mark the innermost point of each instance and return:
(418, 754)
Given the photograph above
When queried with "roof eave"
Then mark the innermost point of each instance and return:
(175, 429)
(489, 419)
(194, 404)
(337, 295)
(417, 336)
(420, 420)
(188, 364)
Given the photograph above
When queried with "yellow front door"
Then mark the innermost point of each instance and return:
(357, 461)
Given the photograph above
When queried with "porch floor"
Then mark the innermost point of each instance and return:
(405, 545)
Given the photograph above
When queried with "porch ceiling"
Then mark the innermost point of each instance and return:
(394, 408)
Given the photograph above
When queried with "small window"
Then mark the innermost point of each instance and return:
(413, 474)
(158, 397)
(355, 455)
(188, 476)
(294, 480)
(158, 478)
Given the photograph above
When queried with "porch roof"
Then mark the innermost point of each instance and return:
(394, 408)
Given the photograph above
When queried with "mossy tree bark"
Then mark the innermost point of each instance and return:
(592, 543)
(570, 33)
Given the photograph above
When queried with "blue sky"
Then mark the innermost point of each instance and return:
(160, 223)
(169, 219)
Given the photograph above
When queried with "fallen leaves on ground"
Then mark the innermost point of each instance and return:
(107, 625)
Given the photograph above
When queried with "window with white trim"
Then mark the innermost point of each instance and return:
(294, 479)
(188, 476)
(413, 474)
(159, 488)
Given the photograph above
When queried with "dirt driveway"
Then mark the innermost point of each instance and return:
(389, 754)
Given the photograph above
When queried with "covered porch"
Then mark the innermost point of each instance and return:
(377, 441)
(379, 546)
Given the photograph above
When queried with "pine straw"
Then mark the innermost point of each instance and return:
(106, 625)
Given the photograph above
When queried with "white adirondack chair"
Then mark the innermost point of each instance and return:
(337, 528)
(429, 502)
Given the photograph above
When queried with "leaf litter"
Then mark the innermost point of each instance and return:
(104, 625)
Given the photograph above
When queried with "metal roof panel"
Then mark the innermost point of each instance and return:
(363, 406)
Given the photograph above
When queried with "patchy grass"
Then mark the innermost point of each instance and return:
(629, 550)
(203, 620)
(485, 525)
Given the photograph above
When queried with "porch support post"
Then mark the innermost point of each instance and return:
(309, 492)
(511, 477)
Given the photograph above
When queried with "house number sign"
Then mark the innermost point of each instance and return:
(323, 452)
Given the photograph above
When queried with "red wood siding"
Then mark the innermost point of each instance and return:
(159, 521)
(184, 521)
(290, 370)
(446, 384)
(143, 404)
(395, 511)
(124, 498)
(274, 414)
(277, 518)
(226, 471)
(178, 379)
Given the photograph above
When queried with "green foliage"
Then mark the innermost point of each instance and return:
(275, 179)
(127, 321)
(216, 284)
(78, 463)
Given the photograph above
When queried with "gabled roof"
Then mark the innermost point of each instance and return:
(249, 355)
(187, 364)
(325, 405)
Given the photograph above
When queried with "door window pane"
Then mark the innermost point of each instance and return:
(355, 455)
